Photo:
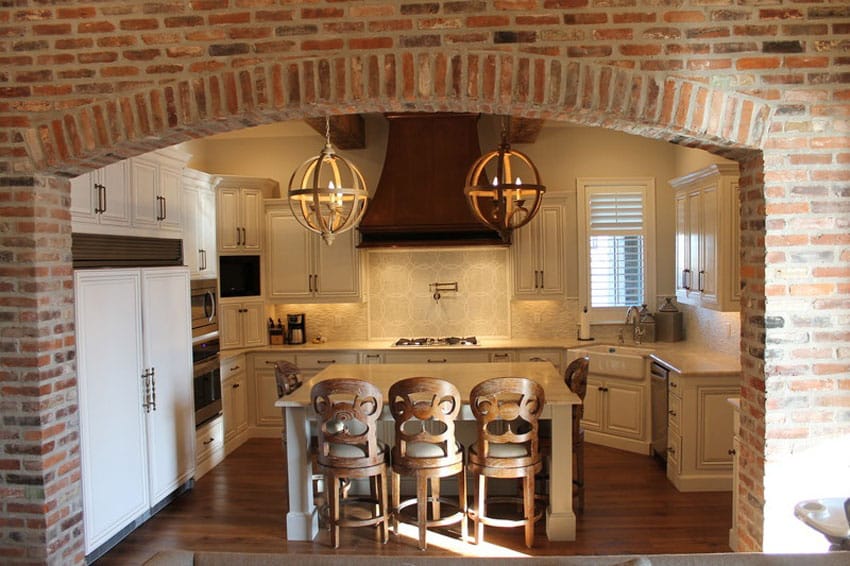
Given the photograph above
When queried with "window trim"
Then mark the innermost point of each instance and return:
(584, 186)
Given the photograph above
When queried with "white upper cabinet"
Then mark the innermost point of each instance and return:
(239, 210)
(707, 210)
(199, 247)
(101, 197)
(157, 191)
(301, 267)
(538, 253)
(141, 196)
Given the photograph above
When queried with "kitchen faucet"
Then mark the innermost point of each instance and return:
(633, 318)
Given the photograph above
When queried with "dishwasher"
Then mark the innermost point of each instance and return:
(658, 390)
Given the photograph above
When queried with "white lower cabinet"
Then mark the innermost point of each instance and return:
(134, 367)
(701, 431)
(553, 356)
(616, 414)
(234, 400)
(209, 446)
(242, 324)
(262, 393)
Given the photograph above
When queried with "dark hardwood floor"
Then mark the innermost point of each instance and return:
(240, 505)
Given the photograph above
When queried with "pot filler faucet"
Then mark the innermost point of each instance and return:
(633, 318)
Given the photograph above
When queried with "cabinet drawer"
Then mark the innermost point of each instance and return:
(209, 438)
(266, 359)
(232, 366)
(371, 358)
(674, 452)
(501, 356)
(674, 411)
(674, 383)
(323, 359)
(436, 357)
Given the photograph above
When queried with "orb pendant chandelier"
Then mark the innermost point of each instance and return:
(503, 189)
(327, 194)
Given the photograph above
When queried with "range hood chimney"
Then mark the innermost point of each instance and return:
(419, 200)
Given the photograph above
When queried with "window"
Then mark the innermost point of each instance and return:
(616, 238)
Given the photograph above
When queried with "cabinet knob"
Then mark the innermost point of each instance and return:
(674, 385)
(235, 386)
(732, 452)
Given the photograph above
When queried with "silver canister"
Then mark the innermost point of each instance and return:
(669, 326)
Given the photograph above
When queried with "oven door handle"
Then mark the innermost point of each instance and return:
(206, 366)
(209, 305)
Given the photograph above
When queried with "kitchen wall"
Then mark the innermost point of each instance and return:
(397, 299)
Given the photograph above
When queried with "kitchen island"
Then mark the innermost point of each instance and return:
(302, 517)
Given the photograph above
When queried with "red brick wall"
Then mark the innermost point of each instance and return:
(763, 82)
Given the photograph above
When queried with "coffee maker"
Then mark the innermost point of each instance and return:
(296, 333)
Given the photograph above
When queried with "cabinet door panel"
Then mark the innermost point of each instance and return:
(113, 457)
(84, 197)
(289, 257)
(192, 243)
(116, 179)
(168, 347)
(708, 259)
(229, 234)
(551, 250)
(593, 411)
(337, 274)
(145, 182)
(170, 186)
(525, 259)
(715, 427)
(230, 325)
(252, 211)
(266, 395)
(253, 324)
(683, 244)
(625, 410)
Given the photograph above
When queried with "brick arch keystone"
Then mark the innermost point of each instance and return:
(533, 86)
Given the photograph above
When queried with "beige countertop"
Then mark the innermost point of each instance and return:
(682, 357)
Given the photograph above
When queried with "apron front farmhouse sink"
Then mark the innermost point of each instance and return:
(619, 361)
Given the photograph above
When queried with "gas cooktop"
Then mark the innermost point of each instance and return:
(445, 341)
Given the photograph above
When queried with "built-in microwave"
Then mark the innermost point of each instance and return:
(204, 307)
(239, 275)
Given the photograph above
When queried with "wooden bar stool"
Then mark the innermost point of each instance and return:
(507, 411)
(348, 448)
(425, 409)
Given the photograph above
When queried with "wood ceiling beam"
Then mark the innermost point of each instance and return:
(525, 130)
(347, 131)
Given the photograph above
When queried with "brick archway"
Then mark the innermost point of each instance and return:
(647, 104)
(533, 86)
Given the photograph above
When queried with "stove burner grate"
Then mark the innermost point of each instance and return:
(444, 341)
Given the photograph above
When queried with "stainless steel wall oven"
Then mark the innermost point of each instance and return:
(206, 374)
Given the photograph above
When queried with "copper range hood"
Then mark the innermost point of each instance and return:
(419, 199)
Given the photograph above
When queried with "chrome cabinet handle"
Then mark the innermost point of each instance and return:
(700, 285)
(686, 275)
(244, 236)
(163, 208)
(153, 389)
(146, 403)
(100, 207)
(202, 258)
(238, 236)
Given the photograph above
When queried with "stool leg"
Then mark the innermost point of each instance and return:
(422, 509)
(396, 489)
(461, 494)
(332, 486)
(480, 508)
(385, 527)
(528, 508)
(435, 498)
